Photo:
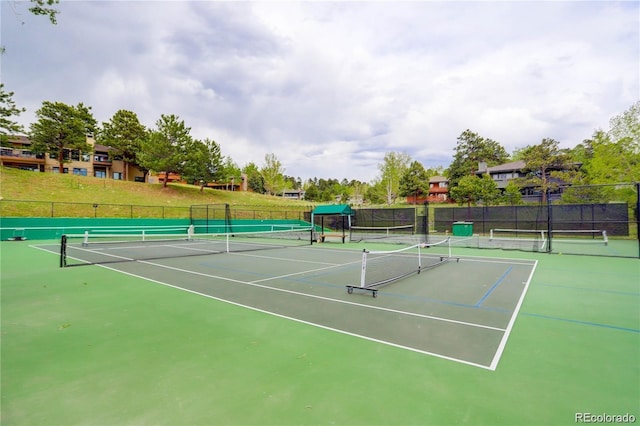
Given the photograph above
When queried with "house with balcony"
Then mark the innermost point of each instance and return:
(17, 154)
(504, 173)
(98, 163)
(438, 192)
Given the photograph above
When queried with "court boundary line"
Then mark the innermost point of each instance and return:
(503, 342)
(298, 320)
(492, 366)
(255, 284)
(314, 296)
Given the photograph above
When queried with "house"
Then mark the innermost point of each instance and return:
(503, 173)
(160, 177)
(293, 194)
(99, 163)
(17, 154)
(232, 184)
(438, 192)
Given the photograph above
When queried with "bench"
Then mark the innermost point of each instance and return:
(325, 236)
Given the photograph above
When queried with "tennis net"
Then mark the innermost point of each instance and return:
(383, 267)
(90, 248)
(388, 233)
(580, 236)
(522, 239)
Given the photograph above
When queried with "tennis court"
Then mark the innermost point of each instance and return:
(462, 310)
(275, 337)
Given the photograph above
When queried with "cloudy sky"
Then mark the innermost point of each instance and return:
(330, 87)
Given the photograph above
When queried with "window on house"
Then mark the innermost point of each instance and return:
(117, 175)
(100, 174)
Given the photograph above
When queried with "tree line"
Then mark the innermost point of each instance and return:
(610, 156)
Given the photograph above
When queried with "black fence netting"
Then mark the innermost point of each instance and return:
(384, 217)
(592, 220)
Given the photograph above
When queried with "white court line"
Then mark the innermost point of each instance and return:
(255, 284)
(287, 260)
(492, 366)
(313, 296)
(505, 336)
(324, 327)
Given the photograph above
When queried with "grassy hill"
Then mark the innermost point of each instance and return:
(22, 185)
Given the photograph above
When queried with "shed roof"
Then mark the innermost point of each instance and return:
(339, 209)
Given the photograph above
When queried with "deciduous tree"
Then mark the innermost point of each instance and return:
(391, 171)
(473, 189)
(627, 126)
(272, 173)
(512, 193)
(45, 7)
(255, 181)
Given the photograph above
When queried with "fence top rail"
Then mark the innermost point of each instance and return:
(4, 200)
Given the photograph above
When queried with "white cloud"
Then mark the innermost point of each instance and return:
(329, 87)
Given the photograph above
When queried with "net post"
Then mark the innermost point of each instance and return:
(190, 232)
(425, 224)
(549, 221)
(63, 251)
(85, 241)
(227, 218)
(363, 271)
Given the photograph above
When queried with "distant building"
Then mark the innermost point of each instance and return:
(17, 154)
(98, 163)
(293, 194)
(438, 192)
(504, 173)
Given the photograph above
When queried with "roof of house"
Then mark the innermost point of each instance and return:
(438, 179)
(19, 139)
(507, 167)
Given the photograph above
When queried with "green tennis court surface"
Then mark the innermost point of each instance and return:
(474, 300)
(273, 337)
